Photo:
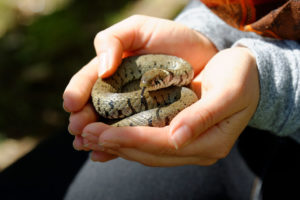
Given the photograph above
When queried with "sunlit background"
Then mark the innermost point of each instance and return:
(42, 44)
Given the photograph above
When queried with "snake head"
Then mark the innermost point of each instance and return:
(155, 79)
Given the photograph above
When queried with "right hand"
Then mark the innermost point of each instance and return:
(135, 35)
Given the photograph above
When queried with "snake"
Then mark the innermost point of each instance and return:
(145, 90)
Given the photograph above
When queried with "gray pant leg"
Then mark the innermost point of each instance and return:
(230, 178)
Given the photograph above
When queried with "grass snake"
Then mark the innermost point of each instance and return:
(146, 90)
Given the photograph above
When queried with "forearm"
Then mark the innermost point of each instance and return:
(278, 64)
(277, 61)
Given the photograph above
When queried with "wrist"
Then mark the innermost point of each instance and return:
(208, 46)
(253, 78)
(245, 81)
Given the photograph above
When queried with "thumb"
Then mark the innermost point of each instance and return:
(213, 107)
(192, 121)
(117, 42)
(109, 53)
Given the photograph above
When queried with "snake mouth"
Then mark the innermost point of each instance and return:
(143, 99)
(143, 91)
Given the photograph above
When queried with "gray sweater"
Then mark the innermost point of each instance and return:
(278, 63)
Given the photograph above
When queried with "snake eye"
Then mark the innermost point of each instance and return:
(153, 79)
(156, 82)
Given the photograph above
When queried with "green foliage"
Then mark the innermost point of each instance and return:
(37, 61)
(2, 138)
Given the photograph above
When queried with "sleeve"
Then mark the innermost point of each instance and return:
(198, 17)
(278, 63)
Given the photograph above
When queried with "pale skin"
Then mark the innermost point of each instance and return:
(226, 82)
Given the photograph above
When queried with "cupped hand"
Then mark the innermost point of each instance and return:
(202, 133)
(135, 35)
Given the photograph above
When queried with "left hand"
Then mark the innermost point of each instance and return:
(200, 134)
(134, 35)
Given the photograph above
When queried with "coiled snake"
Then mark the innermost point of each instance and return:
(145, 91)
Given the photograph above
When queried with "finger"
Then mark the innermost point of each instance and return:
(143, 34)
(202, 146)
(221, 96)
(199, 148)
(78, 91)
(148, 139)
(98, 153)
(101, 156)
(195, 119)
(154, 160)
(111, 43)
(78, 144)
(222, 135)
(156, 140)
(78, 120)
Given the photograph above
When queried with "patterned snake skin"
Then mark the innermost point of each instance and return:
(145, 91)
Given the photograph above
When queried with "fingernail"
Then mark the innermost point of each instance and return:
(103, 64)
(84, 134)
(77, 149)
(107, 144)
(174, 143)
(65, 108)
(85, 141)
(181, 136)
(87, 144)
(90, 137)
(71, 131)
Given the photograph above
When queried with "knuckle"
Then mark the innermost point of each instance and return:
(100, 36)
(207, 162)
(206, 117)
(136, 17)
(149, 163)
(221, 153)
(211, 162)
(166, 150)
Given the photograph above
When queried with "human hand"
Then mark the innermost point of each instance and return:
(200, 134)
(135, 35)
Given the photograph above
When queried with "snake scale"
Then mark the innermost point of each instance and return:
(146, 90)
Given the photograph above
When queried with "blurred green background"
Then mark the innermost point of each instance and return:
(39, 54)
(42, 44)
